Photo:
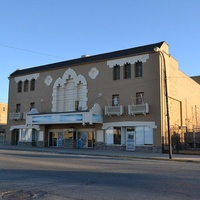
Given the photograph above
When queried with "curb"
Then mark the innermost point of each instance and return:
(100, 154)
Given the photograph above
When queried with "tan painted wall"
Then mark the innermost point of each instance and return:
(104, 84)
(184, 93)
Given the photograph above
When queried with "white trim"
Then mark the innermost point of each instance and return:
(25, 127)
(27, 77)
(132, 60)
(129, 123)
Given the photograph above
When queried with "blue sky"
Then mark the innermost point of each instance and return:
(37, 32)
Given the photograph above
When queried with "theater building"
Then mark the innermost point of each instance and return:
(114, 100)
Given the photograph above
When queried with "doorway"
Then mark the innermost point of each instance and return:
(15, 137)
(130, 139)
(55, 139)
(86, 139)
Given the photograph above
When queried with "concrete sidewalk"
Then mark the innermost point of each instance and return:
(110, 153)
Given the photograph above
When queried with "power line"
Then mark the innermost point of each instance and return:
(31, 51)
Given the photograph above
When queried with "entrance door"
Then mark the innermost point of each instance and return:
(86, 139)
(82, 140)
(55, 139)
(34, 137)
(130, 139)
(91, 139)
(15, 137)
(60, 139)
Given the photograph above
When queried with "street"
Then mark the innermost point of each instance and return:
(46, 175)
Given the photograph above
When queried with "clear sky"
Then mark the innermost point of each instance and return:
(38, 32)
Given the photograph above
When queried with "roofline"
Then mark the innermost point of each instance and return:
(88, 59)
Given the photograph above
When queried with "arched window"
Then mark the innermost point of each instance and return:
(138, 69)
(25, 85)
(19, 87)
(127, 71)
(69, 93)
(116, 72)
(32, 86)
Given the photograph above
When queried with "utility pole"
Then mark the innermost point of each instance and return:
(157, 49)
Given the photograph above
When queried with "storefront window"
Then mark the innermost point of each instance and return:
(144, 136)
(117, 135)
(113, 135)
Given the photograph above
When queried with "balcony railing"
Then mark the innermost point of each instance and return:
(138, 109)
(114, 110)
(15, 116)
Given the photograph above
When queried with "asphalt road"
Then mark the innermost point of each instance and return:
(40, 175)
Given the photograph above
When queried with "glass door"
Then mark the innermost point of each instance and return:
(55, 139)
(91, 138)
(82, 140)
(60, 139)
(130, 139)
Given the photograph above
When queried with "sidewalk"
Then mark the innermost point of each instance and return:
(110, 153)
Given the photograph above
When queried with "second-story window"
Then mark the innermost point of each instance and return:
(140, 98)
(127, 71)
(25, 85)
(115, 100)
(32, 105)
(138, 69)
(32, 85)
(19, 86)
(18, 108)
(116, 72)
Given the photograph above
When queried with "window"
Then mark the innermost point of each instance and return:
(18, 108)
(4, 109)
(19, 87)
(32, 105)
(116, 72)
(127, 71)
(113, 135)
(115, 100)
(144, 136)
(138, 69)
(25, 85)
(32, 86)
(140, 98)
(117, 135)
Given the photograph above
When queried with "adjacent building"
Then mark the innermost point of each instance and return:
(196, 78)
(114, 100)
(3, 113)
(3, 121)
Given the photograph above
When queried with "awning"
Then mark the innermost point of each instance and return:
(129, 124)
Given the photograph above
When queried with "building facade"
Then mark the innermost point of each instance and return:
(115, 100)
(3, 121)
(3, 113)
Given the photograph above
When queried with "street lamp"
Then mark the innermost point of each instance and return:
(157, 49)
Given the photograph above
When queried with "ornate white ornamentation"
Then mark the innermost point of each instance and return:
(48, 80)
(132, 60)
(27, 77)
(93, 73)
